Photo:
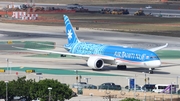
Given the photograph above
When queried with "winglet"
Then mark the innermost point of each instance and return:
(158, 48)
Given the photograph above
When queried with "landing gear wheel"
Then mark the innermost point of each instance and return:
(118, 67)
(124, 67)
(97, 69)
(121, 67)
(151, 72)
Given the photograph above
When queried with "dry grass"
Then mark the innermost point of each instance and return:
(145, 25)
(88, 1)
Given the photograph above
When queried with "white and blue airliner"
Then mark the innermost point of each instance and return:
(97, 55)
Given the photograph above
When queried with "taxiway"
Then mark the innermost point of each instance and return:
(167, 73)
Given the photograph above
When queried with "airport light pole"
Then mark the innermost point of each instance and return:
(6, 90)
(135, 86)
(177, 86)
(7, 60)
(76, 71)
(80, 77)
(144, 77)
(10, 67)
(145, 87)
(49, 88)
(40, 77)
(171, 91)
(91, 94)
(87, 79)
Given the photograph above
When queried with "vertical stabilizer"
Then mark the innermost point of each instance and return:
(71, 35)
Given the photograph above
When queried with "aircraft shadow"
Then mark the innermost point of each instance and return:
(136, 69)
(133, 69)
(169, 65)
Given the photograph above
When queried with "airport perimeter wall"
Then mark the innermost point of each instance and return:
(105, 94)
(147, 96)
(95, 80)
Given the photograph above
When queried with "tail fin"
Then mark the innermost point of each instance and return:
(71, 35)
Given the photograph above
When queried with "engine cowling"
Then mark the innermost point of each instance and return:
(95, 63)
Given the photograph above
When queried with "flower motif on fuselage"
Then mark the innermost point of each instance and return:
(69, 34)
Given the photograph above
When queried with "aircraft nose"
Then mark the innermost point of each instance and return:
(157, 63)
(153, 64)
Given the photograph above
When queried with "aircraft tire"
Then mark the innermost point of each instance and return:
(151, 72)
(121, 67)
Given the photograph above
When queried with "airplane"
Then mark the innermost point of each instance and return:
(97, 55)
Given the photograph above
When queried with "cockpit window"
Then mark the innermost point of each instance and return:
(153, 57)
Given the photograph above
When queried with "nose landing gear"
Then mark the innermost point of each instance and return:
(151, 70)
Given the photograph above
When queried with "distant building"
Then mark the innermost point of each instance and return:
(164, 0)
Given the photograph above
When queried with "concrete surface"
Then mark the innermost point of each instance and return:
(165, 74)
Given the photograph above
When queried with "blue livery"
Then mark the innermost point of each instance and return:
(119, 55)
(97, 55)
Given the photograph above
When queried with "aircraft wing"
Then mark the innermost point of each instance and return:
(50, 45)
(158, 48)
(64, 53)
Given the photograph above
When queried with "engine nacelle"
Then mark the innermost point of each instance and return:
(95, 63)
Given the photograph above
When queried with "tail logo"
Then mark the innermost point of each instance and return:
(69, 34)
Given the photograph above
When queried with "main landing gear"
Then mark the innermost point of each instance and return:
(151, 70)
(121, 67)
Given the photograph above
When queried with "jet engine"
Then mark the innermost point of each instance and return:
(95, 63)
